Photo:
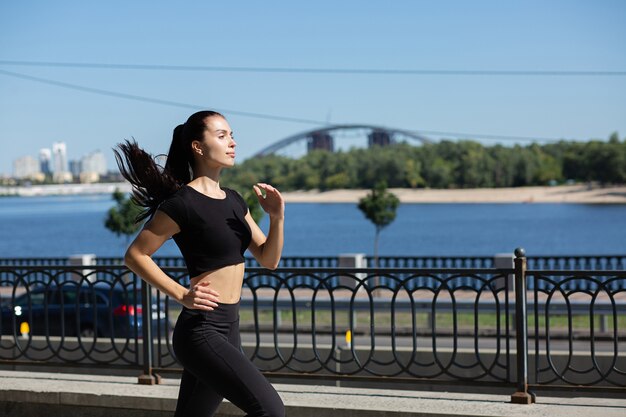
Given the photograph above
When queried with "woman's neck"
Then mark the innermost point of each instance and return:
(207, 181)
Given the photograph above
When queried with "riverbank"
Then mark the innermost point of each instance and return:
(63, 189)
(557, 194)
(585, 194)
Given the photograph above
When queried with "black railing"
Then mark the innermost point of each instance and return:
(552, 262)
(64, 316)
(444, 325)
(599, 300)
(562, 262)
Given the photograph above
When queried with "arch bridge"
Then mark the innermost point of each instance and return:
(325, 138)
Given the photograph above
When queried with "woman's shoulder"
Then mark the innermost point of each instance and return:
(178, 197)
(231, 192)
(175, 206)
(182, 192)
(234, 194)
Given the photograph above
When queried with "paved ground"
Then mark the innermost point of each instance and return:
(25, 394)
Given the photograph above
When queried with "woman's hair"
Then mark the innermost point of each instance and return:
(151, 183)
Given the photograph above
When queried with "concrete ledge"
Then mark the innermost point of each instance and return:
(26, 394)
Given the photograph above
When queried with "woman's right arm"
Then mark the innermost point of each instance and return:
(138, 258)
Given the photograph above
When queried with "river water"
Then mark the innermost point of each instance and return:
(59, 226)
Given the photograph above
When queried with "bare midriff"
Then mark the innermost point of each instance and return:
(227, 281)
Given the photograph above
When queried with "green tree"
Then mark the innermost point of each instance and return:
(445, 164)
(439, 173)
(338, 180)
(474, 166)
(548, 168)
(253, 205)
(502, 171)
(413, 173)
(303, 177)
(605, 161)
(379, 207)
(122, 218)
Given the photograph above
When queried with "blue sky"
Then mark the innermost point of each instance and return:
(415, 35)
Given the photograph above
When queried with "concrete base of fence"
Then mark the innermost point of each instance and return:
(26, 394)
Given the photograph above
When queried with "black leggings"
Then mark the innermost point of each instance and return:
(207, 344)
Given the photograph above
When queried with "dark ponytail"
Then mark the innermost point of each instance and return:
(179, 156)
(151, 183)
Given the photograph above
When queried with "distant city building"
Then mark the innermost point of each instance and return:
(53, 161)
(94, 162)
(59, 163)
(92, 167)
(26, 167)
(45, 161)
(75, 168)
(88, 177)
(59, 157)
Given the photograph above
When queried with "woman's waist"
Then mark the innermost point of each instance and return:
(226, 281)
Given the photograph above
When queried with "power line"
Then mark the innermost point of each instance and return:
(155, 100)
(347, 71)
(248, 114)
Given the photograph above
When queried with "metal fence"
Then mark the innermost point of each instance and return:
(599, 301)
(506, 327)
(559, 262)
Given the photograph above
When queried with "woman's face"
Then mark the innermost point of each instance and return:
(217, 148)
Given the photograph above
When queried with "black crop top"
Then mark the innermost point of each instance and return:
(213, 232)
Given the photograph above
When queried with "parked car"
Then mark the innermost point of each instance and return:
(70, 309)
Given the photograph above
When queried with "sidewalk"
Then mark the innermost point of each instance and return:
(36, 394)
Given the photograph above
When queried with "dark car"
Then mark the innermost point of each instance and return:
(70, 309)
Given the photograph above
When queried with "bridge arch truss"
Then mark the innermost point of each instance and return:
(326, 137)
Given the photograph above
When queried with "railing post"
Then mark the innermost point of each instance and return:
(148, 377)
(521, 396)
